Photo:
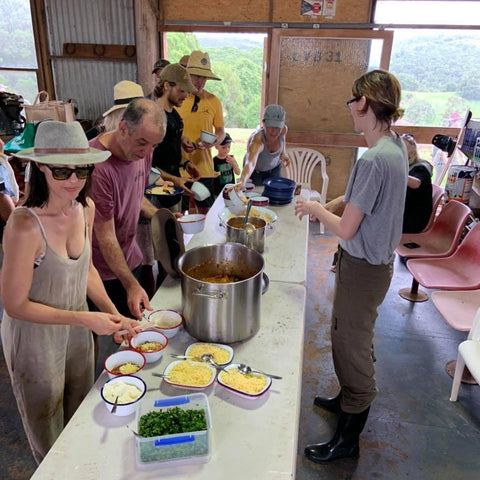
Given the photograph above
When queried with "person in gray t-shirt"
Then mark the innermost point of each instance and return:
(369, 230)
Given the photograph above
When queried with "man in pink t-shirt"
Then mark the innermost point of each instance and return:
(118, 192)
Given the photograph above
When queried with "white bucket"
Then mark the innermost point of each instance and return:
(459, 183)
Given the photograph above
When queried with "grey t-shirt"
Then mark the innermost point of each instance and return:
(377, 187)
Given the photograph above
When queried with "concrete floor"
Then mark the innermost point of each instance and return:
(413, 430)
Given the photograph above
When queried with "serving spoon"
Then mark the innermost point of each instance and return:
(114, 408)
(247, 226)
(245, 369)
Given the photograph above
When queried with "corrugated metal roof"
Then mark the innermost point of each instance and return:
(90, 82)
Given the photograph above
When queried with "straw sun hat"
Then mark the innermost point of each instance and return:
(199, 64)
(60, 143)
(123, 93)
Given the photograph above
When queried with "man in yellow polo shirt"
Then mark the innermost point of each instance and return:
(202, 111)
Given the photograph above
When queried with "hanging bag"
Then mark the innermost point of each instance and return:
(45, 109)
(22, 141)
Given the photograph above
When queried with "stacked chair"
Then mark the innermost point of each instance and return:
(439, 241)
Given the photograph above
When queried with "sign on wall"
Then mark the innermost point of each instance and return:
(314, 8)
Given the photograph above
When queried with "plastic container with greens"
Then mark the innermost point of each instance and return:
(175, 430)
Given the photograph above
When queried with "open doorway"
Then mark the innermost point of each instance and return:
(238, 59)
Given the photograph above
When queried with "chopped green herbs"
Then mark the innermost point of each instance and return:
(171, 421)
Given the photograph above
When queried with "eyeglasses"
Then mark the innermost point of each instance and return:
(64, 173)
(195, 104)
(353, 100)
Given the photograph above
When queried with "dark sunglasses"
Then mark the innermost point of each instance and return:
(353, 100)
(64, 173)
(195, 104)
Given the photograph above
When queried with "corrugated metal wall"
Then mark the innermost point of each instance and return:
(89, 82)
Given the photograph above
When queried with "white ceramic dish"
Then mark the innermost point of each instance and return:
(124, 356)
(193, 223)
(166, 321)
(260, 201)
(238, 198)
(249, 186)
(200, 191)
(150, 336)
(123, 409)
(207, 137)
(252, 194)
(227, 212)
(234, 366)
(212, 369)
(227, 348)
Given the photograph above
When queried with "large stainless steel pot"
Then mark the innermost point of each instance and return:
(221, 312)
(237, 233)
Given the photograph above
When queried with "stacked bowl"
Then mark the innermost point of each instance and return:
(279, 190)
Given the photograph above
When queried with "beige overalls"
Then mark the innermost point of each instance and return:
(51, 366)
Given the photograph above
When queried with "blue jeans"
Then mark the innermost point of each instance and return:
(258, 177)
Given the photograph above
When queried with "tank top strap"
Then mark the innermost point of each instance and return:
(37, 218)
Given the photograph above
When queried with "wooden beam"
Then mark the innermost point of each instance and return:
(146, 41)
(91, 51)
(39, 24)
(422, 135)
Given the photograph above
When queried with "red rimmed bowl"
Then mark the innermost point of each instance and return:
(124, 358)
(188, 382)
(151, 355)
(260, 201)
(250, 386)
(166, 321)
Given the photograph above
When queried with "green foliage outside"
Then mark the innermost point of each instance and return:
(241, 73)
(438, 76)
(17, 48)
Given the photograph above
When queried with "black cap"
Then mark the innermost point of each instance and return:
(227, 139)
(160, 64)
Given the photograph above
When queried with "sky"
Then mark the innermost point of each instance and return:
(455, 12)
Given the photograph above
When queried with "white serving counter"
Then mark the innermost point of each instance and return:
(251, 439)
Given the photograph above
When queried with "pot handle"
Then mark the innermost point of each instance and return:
(217, 295)
(265, 283)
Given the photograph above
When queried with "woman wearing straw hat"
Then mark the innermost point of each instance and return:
(47, 274)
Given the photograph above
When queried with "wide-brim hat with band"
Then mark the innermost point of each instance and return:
(60, 143)
(123, 93)
(199, 64)
(179, 75)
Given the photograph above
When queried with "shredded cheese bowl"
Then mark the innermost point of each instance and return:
(150, 343)
(129, 390)
(190, 374)
(222, 354)
(252, 385)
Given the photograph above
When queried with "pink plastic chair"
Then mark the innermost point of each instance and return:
(458, 308)
(437, 195)
(460, 271)
(442, 238)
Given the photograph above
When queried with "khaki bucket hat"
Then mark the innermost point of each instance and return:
(199, 64)
(167, 239)
(179, 75)
(123, 93)
(60, 143)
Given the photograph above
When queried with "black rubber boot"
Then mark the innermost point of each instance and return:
(344, 443)
(330, 404)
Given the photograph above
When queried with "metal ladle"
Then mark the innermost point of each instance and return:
(247, 226)
(208, 357)
(245, 369)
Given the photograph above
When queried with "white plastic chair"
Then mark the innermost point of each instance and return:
(302, 163)
(468, 356)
